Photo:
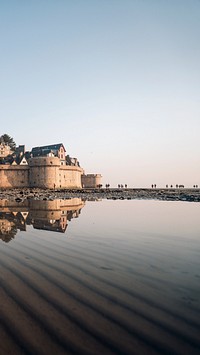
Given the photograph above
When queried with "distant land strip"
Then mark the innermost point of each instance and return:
(165, 194)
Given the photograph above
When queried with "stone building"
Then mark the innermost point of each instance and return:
(45, 167)
(91, 180)
(53, 150)
(5, 150)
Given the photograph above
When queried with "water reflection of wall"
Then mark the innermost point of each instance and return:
(46, 215)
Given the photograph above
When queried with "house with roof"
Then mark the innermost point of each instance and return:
(53, 150)
(20, 161)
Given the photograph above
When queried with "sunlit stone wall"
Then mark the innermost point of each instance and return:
(13, 176)
(91, 180)
(70, 177)
(44, 172)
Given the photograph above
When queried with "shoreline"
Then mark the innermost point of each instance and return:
(165, 194)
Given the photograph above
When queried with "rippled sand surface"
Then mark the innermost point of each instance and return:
(124, 278)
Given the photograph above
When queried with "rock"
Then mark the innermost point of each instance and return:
(18, 199)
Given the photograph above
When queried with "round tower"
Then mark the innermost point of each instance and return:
(44, 172)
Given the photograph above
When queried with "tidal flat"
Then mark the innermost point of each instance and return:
(164, 194)
(99, 277)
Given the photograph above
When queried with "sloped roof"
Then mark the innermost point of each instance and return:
(23, 161)
(45, 149)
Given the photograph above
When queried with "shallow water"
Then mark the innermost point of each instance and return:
(100, 277)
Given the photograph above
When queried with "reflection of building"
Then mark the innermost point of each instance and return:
(7, 229)
(46, 215)
(10, 223)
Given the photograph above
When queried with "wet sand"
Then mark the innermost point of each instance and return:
(86, 294)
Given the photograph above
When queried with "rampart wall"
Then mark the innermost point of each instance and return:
(42, 205)
(13, 176)
(70, 177)
(91, 180)
(42, 172)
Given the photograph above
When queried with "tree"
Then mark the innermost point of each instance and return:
(8, 140)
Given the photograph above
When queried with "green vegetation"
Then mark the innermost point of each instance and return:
(9, 140)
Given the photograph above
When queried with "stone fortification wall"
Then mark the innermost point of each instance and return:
(91, 180)
(70, 177)
(13, 176)
(44, 172)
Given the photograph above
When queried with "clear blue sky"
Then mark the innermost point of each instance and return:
(116, 81)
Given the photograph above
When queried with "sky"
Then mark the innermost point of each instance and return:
(116, 81)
